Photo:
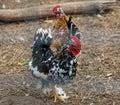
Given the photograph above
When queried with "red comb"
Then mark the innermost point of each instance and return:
(55, 8)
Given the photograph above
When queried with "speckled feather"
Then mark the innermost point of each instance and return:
(45, 64)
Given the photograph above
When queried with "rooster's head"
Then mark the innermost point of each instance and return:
(58, 12)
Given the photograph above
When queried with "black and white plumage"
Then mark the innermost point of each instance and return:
(40, 52)
(63, 68)
(57, 66)
(73, 29)
(47, 66)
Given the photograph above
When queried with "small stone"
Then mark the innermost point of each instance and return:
(88, 76)
(21, 39)
(18, 1)
(27, 95)
(100, 16)
(24, 83)
(28, 85)
(3, 6)
(109, 74)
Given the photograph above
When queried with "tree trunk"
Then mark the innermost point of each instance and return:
(43, 11)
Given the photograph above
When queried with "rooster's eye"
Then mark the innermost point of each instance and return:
(59, 10)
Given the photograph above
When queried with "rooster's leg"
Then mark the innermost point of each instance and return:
(45, 87)
(55, 98)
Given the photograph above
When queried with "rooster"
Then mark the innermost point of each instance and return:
(63, 29)
(60, 67)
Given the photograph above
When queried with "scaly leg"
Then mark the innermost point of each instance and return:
(55, 98)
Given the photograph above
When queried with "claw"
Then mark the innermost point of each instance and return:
(56, 96)
(59, 94)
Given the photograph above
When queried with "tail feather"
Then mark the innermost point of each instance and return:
(41, 52)
(42, 38)
(73, 28)
(42, 42)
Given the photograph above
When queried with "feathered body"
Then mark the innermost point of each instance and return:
(62, 31)
(54, 53)
(44, 64)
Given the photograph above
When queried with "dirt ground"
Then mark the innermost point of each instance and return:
(98, 77)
